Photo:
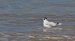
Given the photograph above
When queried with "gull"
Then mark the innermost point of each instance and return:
(48, 24)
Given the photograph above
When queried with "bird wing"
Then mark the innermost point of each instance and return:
(46, 22)
(52, 23)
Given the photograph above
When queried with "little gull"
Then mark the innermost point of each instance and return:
(47, 24)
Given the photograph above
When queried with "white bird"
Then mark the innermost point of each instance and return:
(47, 24)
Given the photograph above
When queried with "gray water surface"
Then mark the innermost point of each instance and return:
(27, 15)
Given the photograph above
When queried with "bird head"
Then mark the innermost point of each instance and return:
(45, 18)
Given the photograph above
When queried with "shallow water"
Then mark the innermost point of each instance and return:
(26, 16)
(22, 23)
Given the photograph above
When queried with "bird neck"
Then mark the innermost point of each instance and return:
(45, 20)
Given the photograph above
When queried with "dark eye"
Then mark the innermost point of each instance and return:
(45, 18)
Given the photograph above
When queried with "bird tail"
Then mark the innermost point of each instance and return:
(60, 24)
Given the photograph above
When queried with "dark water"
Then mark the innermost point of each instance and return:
(37, 6)
(26, 15)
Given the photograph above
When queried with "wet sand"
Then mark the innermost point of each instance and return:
(33, 36)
